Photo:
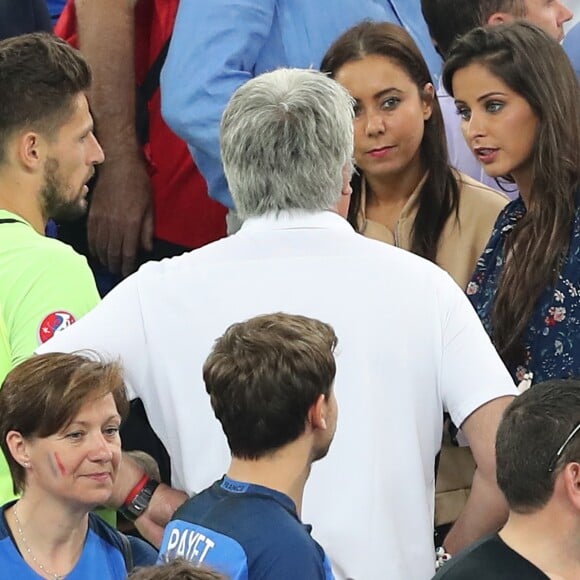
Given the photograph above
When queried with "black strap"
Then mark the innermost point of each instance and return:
(127, 552)
(151, 83)
(10, 221)
(145, 92)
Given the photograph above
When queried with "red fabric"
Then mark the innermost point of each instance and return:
(184, 213)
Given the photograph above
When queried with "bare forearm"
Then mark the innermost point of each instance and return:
(164, 502)
(107, 39)
(130, 472)
(485, 512)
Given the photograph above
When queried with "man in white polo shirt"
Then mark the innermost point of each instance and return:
(411, 344)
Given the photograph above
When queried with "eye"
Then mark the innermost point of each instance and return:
(390, 103)
(464, 112)
(111, 431)
(357, 109)
(494, 106)
(75, 435)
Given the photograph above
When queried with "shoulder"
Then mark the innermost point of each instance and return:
(487, 559)
(253, 532)
(4, 531)
(42, 254)
(135, 552)
(477, 195)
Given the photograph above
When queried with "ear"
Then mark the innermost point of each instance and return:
(30, 150)
(317, 413)
(571, 477)
(344, 201)
(499, 18)
(428, 95)
(18, 447)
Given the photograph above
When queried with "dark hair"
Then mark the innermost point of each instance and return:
(439, 195)
(533, 428)
(447, 20)
(42, 395)
(263, 375)
(178, 569)
(40, 75)
(523, 56)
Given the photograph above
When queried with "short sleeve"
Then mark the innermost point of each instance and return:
(49, 297)
(472, 373)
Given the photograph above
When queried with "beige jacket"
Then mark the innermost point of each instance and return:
(462, 242)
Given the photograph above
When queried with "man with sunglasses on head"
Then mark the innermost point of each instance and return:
(538, 470)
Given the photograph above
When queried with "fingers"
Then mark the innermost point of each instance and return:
(125, 255)
(147, 230)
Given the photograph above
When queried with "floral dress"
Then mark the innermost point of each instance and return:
(552, 337)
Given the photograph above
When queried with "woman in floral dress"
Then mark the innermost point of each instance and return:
(519, 101)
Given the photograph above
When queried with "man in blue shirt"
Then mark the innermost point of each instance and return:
(572, 46)
(219, 45)
(270, 381)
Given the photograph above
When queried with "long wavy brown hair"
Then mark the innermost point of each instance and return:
(439, 195)
(533, 65)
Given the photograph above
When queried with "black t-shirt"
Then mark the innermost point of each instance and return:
(490, 559)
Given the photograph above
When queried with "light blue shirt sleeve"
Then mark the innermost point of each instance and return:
(218, 45)
(571, 45)
(214, 49)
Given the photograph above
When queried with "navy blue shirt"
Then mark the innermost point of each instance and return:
(245, 531)
(552, 337)
(22, 16)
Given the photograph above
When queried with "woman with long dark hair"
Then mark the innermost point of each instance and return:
(519, 101)
(404, 191)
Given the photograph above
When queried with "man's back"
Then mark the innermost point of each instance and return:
(245, 531)
(406, 336)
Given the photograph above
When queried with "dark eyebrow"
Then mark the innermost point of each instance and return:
(491, 94)
(384, 92)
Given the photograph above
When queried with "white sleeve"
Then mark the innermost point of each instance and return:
(472, 373)
(114, 329)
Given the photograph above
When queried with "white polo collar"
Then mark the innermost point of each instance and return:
(296, 219)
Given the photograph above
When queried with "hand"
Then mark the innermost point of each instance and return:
(164, 502)
(120, 220)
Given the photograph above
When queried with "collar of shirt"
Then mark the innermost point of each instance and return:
(288, 220)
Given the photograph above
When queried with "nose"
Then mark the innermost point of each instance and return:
(473, 128)
(375, 124)
(97, 155)
(565, 14)
(101, 449)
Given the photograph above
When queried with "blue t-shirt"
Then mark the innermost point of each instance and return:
(103, 556)
(245, 531)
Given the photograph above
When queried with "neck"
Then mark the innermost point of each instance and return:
(20, 197)
(549, 538)
(523, 180)
(50, 533)
(395, 189)
(286, 471)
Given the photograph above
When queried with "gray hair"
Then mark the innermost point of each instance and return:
(286, 137)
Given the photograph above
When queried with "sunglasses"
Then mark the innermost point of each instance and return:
(556, 457)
